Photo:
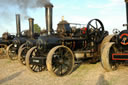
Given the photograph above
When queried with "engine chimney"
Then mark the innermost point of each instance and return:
(127, 12)
(18, 25)
(48, 16)
(31, 27)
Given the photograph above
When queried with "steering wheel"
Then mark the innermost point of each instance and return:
(95, 30)
(116, 31)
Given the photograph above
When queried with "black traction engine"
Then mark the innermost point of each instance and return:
(5, 40)
(59, 50)
(115, 50)
(21, 37)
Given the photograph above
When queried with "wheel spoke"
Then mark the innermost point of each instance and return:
(61, 53)
(54, 69)
(56, 65)
(58, 70)
(92, 33)
(33, 53)
(66, 65)
(100, 28)
(61, 69)
(67, 53)
(60, 50)
(34, 68)
(41, 68)
(96, 24)
(92, 26)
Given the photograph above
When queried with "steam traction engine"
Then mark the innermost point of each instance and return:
(5, 40)
(59, 50)
(13, 49)
(28, 44)
(115, 51)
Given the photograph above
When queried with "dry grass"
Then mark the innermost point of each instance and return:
(13, 73)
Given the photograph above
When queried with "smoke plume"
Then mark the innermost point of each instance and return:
(8, 9)
(21, 5)
(24, 4)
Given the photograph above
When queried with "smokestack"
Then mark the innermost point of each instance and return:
(31, 27)
(126, 1)
(18, 25)
(48, 16)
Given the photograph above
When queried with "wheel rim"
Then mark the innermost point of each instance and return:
(60, 61)
(33, 67)
(12, 55)
(95, 30)
(106, 57)
(105, 40)
(22, 55)
(23, 45)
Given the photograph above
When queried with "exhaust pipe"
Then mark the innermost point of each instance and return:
(126, 1)
(48, 16)
(18, 25)
(31, 27)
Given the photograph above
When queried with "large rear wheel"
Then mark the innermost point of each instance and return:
(60, 61)
(106, 57)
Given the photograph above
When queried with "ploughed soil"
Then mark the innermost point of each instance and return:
(13, 73)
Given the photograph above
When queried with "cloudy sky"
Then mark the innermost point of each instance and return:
(110, 12)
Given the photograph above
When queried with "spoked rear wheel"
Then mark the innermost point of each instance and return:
(22, 55)
(60, 61)
(11, 54)
(106, 57)
(33, 62)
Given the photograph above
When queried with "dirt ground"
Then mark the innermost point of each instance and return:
(13, 73)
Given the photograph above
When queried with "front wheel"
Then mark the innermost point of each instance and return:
(60, 61)
(22, 55)
(11, 52)
(35, 62)
(106, 57)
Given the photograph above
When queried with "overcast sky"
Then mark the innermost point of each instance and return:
(111, 12)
